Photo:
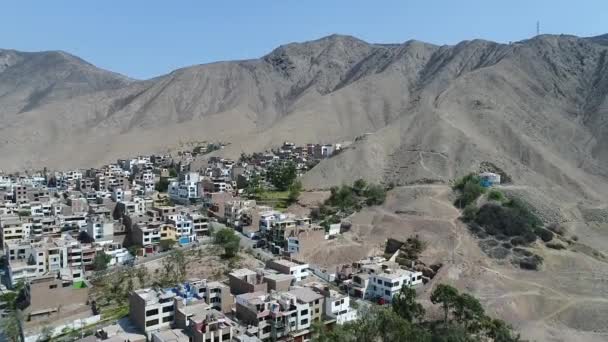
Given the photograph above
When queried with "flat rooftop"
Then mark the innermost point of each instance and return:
(305, 294)
(242, 272)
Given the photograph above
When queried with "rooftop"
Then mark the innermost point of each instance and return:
(305, 294)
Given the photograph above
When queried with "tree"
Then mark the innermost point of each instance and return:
(445, 295)
(162, 185)
(404, 304)
(174, 268)
(101, 261)
(499, 331)
(281, 175)
(10, 325)
(227, 239)
(142, 275)
(469, 312)
(375, 194)
(294, 191)
(166, 245)
(254, 186)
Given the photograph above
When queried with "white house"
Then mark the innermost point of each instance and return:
(387, 284)
(337, 306)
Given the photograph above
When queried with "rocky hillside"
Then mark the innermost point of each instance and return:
(536, 108)
(29, 80)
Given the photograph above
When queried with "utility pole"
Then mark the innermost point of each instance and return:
(538, 27)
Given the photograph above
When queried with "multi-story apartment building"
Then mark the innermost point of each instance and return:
(146, 234)
(152, 310)
(200, 224)
(203, 323)
(58, 256)
(274, 316)
(183, 229)
(13, 229)
(233, 211)
(98, 228)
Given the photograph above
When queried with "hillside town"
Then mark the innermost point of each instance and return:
(64, 232)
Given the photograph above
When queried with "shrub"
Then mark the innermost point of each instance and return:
(555, 245)
(518, 241)
(375, 194)
(574, 238)
(531, 263)
(469, 213)
(545, 234)
(496, 195)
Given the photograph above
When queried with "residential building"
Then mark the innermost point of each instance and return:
(298, 270)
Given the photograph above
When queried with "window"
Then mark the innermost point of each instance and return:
(387, 292)
(40, 263)
(54, 286)
(152, 312)
(167, 319)
(151, 322)
(316, 302)
(317, 310)
(168, 308)
(267, 329)
(304, 321)
(304, 312)
(387, 284)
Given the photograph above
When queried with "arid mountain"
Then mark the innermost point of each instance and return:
(536, 108)
(29, 80)
(415, 113)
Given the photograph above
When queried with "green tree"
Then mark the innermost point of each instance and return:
(227, 239)
(101, 261)
(375, 194)
(445, 295)
(404, 304)
(281, 175)
(499, 331)
(166, 245)
(469, 312)
(162, 185)
(10, 325)
(294, 191)
(254, 186)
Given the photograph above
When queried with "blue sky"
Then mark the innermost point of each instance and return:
(143, 39)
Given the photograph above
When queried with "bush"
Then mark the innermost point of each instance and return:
(375, 194)
(531, 263)
(469, 213)
(545, 234)
(555, 245)
(518, 241)
(496, 195)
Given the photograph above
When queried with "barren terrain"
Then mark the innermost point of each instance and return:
(567, 300)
